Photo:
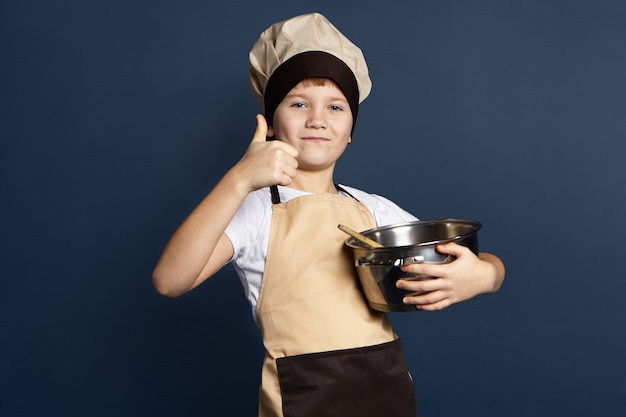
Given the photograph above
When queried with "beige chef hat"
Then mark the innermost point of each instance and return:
(302, 47)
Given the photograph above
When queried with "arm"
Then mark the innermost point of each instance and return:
(464, 278)
(199, 248)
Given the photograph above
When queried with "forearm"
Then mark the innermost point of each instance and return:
(199, 248)
(184, 260)
(496, 272)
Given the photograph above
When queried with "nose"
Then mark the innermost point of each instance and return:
(316, 119)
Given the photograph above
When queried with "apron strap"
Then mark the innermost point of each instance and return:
(276, 196)
(341, 189)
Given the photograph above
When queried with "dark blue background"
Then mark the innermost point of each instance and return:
(118, 116)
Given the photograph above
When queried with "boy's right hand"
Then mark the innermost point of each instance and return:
(265, 162)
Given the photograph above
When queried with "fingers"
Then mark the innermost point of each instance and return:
(430, 301)
(427, 270)
(435, 306)
(453, 282)
(421, 286)
(260, 134)
(265, 162)
(452, 248)
(287, 171)
(283, 160)
(462, 256)
(288, 149)
(431, 295)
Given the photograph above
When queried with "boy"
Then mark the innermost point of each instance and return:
(274, 215)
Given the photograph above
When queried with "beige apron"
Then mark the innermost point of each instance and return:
(310, 301)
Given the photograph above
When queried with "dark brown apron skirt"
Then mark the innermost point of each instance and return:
(366, 382)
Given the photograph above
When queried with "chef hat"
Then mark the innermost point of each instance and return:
(303, 47)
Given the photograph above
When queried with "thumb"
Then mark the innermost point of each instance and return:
(260, 134)
(451, 248)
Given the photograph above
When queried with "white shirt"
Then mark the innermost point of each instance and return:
(250, 228)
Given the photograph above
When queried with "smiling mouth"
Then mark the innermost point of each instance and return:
(314, 138)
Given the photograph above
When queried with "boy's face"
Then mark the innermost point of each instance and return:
(316, 119)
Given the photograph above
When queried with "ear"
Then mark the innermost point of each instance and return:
(349, 139)
(270, 131)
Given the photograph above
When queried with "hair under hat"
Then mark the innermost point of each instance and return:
(303, 47)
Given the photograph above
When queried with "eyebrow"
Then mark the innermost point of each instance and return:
(306, 96)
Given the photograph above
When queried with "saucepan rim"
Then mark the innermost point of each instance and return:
(355, 244)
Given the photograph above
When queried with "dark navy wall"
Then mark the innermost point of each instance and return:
(118, 116)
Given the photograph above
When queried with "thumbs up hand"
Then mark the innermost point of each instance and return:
(267, 163)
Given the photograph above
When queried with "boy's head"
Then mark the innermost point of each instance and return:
(306, 46)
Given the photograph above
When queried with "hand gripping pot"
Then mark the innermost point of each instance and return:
(378, 268)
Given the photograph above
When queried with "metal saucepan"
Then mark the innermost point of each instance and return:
(378, 268)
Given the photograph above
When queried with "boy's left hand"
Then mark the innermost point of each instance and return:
(465, 277)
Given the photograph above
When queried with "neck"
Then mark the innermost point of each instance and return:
(314, 182)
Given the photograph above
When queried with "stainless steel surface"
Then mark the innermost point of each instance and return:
(413, 242)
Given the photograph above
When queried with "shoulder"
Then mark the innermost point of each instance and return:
(254, 204)
(384, 210)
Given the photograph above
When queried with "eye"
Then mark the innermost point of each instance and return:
(298, 105)
(335, 107)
